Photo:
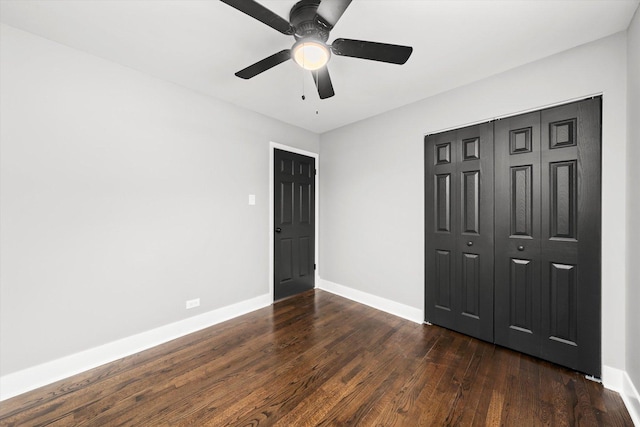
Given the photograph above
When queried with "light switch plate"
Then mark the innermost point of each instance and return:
(252, 199)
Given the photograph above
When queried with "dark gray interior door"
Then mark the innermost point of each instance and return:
(459, 230)
(294, 223)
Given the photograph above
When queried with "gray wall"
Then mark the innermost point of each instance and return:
(372, 190)
(122, 197)
(633, 236)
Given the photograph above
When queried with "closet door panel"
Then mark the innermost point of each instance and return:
(521, 289)
(459, 230)
(517, 232)
(570, 245)
(443, 280)
(441, 228)
(474, 242)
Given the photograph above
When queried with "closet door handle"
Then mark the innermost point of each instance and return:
(278, 230)
(469, 243)
(521, 248)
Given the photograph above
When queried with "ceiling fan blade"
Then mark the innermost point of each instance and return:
(262, 14)
(330, 11)
(323, 82)
(383, 52)
(265, 64)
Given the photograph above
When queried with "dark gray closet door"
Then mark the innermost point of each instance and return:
(459, 230)
(547, 184)
(545, 300)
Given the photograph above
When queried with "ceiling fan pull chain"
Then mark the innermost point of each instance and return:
(303, 97)
(316, 101)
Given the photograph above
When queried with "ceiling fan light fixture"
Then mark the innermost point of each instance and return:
(310, 54)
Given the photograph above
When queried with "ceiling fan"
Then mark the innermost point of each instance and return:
(310, 22)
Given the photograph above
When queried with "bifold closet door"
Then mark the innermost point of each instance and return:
(459, 230)
(540, 238)
(548, 234)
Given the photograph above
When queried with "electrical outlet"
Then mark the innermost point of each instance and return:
(192, 303)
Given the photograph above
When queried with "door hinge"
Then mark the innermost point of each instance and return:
(315, 172)
(314, 266)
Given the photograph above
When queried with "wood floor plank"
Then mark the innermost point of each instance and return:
(319, 359)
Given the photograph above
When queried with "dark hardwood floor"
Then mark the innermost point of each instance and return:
(319, 359)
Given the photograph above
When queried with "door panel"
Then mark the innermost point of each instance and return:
(563, 325)
(459, 228)
(286, 202)
(286, 260)
(563, 199)
(471, 285)
(520, 292)
(294, 223)
(305, 203)
(517, 228)
(443, 202)
(570, 247)
(443, 279)
(471, 202)
(521, 198)
(474, 242)
(304, 252)
(439, 255)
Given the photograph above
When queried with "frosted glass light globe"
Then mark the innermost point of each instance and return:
(311, 55)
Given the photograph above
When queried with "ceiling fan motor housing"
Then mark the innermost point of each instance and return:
(307, 24)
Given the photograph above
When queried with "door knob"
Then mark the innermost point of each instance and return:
(278, 229)
(521, 248)
(469, 243)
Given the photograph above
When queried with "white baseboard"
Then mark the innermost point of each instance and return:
(612, 378)
(619, 381)
(29, 379)
(383, 304)
(631, 399)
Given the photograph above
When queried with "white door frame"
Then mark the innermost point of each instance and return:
(272, 147)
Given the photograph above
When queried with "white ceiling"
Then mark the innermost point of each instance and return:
(199, 44)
